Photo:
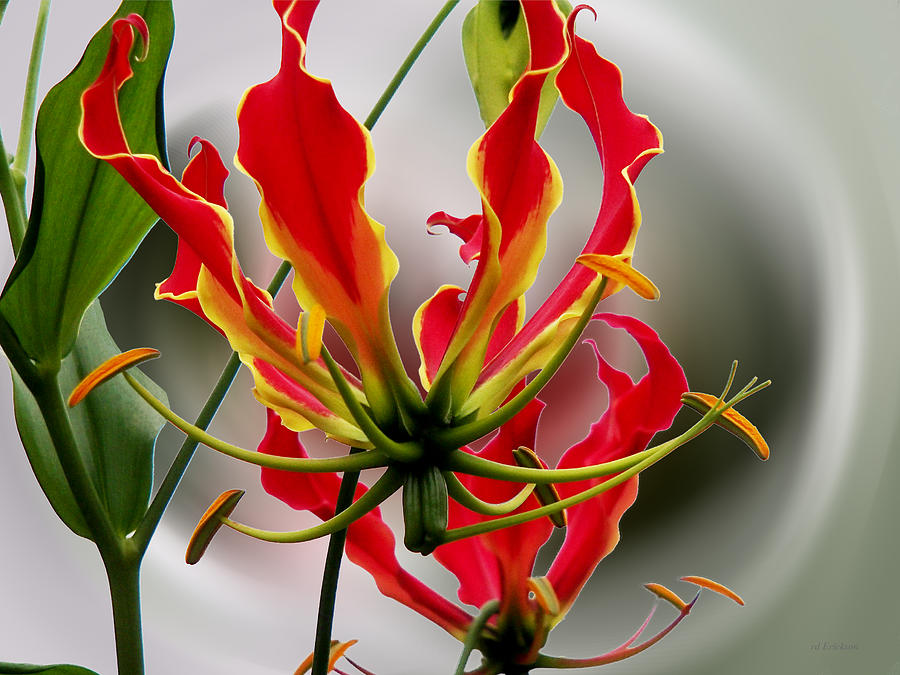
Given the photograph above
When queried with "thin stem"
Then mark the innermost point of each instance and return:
(13, 205)
(490, 609)
(365, 460)
(659, 452)
(333, 559)
(407, 64)
(457, 437)
(463, 462)
(26, 126)
(387, 485)
(173, 476)
(124, 575)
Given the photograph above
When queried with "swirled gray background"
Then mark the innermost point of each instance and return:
(771, 227)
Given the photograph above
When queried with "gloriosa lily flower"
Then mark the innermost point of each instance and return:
(310, 161)
(495, 570)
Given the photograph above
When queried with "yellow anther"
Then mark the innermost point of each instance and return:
(546, 493)
(730, 420)
(309, 334)
(209, 524)
(715, 587)
(668, 595)
(616, 268)
(337, 651)
(108, 369)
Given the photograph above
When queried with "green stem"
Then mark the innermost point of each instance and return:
(490, 609)
(460, 493)
(463, 462)
(658, 453)
(13, 205)
(333, 559)
(369, 459)
(407, 64)
(456, 437)
(387, 485)
(124, 575)
(26, 126)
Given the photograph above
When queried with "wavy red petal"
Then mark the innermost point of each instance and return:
(635, 413)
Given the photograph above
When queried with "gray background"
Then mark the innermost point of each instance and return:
(770, 225)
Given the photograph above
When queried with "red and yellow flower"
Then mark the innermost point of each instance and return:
(310, 160)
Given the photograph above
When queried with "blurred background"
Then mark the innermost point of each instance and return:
(770, 224)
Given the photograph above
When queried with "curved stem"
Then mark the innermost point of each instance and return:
(463, 462)
(461, 494)
(658, 452)
(26, 126)
(365, 460)
(621, 652)
(487, 611)
(387, 485)
(456, 437)
(403, 452)
(322, 649)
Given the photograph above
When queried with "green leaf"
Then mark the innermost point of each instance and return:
(115, 430)
(496, 50)
(17, 668)
(3, 4)
(86, 221)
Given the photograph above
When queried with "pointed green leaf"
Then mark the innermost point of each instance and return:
(495, 46)
(85, 221)
(18, 668)
(115, 429)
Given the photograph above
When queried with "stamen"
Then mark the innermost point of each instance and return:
(309, 334)
(615, 267)
(668, 595)
(715, 587)
(108, 369)
(335, 652)
(546, 493)
(209, 524)
(730, 420)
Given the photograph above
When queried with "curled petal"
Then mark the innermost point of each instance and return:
(637, 410)
(592, 87)
(310, 160)
(207, 261)
(519, 187)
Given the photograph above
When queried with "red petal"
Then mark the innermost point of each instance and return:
(370, 543)
(204, 174)
(636, 412)
(310, 160)
(469, 229)
(592, 87)
(520, 187)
